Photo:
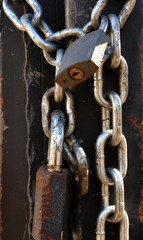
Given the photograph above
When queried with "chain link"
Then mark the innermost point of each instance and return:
(123, 82)
(102, 218)
(58, 93)
(115, 41)
(123, 15)
(45, 106)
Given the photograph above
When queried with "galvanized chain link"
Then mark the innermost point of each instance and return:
(112, 136)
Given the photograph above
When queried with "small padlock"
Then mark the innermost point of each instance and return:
(51, 210)
(82, 58)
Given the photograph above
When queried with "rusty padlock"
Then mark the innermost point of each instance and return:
(51, 210)
(83, 57)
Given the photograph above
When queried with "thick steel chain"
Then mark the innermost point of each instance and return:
(29, 23)
(112, 136)
(110, 101)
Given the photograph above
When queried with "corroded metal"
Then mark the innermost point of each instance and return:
(51, 210)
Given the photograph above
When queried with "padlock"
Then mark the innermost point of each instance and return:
(52, 201)
(82, 58)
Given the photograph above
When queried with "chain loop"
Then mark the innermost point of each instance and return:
(115, 41)
(56, 141)
(123, 83)
(119, 195)
(65, 33)
(88, 27)
(95, 15)
(100, 157)
(82, 163)
(35, 5)
(44, 27)
(117, 118)
(11, 15)
(34, 35)
(15, 19)
(60, 35)
(69, 110)
(126, 11)
(58, 93)
(103, 25)
(101, 220)
(123, 15)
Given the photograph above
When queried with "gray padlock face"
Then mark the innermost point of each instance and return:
(82, 59)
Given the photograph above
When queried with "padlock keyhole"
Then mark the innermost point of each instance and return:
(76, 73)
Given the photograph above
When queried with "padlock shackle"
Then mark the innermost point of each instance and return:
(56, 140)
(104, 24)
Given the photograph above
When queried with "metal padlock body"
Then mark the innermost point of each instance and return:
(51, 210)
(82, 59)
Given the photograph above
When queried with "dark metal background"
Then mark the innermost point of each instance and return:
(24, 65)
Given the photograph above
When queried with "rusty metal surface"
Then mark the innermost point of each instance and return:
(51, 214)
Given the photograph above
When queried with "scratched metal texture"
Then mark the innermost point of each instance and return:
(26, 76)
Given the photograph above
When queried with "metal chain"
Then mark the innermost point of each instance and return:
(31, 22)
(113, 137)
(110, 101)
(73, 153)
